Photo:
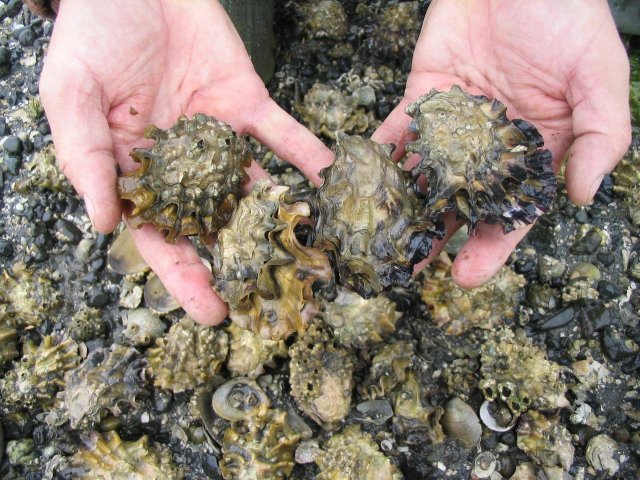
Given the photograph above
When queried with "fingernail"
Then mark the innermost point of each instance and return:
(91, 211)
(595, 186)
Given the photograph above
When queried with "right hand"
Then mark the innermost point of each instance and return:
(160, 58)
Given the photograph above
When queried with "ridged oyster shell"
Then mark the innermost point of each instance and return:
(627, 180)
(477, 162)
(367, 218)
(189, 181)
(262, 270)
(249, 352)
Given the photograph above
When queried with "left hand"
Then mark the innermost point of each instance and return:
(558, 65)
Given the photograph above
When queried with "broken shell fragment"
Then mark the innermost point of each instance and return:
(157, 297)
(497, 417)
(123, 256)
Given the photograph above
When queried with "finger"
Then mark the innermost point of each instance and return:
(182, 273)
(484, 253)
(394, 129)
(451, 226)
(73, 104)
(289, 140)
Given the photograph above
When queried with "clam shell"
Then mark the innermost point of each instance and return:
(157, 297)
(123, 256)
(489, 419)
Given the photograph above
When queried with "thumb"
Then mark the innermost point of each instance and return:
(73, 102)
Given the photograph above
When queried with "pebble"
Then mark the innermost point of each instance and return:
(600, 317)
(6, 248)
(558, 319)
(608, 290)
(12, 145)
(606, 258)
(581, 216)
(103, 241)
(26, 37)
(67, 232)
(616, 346)
(525, 266)
(13, 164)
(5, 57)
(98, 298)
(587, 244)
(14, 7)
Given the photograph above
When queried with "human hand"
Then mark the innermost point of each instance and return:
(558, 65)
(114, 67)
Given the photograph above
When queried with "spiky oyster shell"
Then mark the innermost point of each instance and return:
(354, 455)
(35, 380)
(477, 162)
(627, 180)
(262, 270)
(188, 355)
(456, 310)
(189, 181)
(367, 222)
(359, 322)
(107, 457)
(321, 376)
(518, 373)
(105, 381)
(249, 352)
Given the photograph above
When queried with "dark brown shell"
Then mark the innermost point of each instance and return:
(477, 162)
(189, 181)
(367, 218)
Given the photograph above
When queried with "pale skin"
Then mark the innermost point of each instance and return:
(557, 64)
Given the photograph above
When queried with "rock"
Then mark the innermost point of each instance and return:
(12, 145)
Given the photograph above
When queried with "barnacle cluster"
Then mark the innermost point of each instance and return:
(367, 218)
(188, 355)
(249, 353)
(518, 373)
(189, 181)
(457, 310)
(478, 163)
(262, 270)
(627, 180)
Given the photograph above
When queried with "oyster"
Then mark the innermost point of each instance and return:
(107, 457)
(456, 309)
(396, 31)
(518, 373)
(324, 19)
(602, 454)
(321, 376)
(189, 182)
(367, 221)
(358, 322)
(262, 270)
(104, 382)
(627, 180)
(188, 355)
(86, 323)
(42, 172)
(249, 352)
(354, 455)
(388, 369)
(479, 163)
(35, 380)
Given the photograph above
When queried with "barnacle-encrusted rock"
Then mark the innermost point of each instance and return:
(107, 380)
(327, 110)
(477, 162)
(354, 455)
(321, 376)
(388, 369)
(42, 172)
(262, 270)
(86, 323)
(8, 344)
(324, 19)
(416, 419)
(518, 373)
(141, 326)
(396, 31)
(35, 380)
(367, 222)
(189, 181)
(188, 355)
(456, 310)
(107, 457)
(627, 180)
(547, 442)
(359, 322)
(249, 352)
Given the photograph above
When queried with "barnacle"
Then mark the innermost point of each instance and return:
(388, 369)
(104, 382)
(627, 180)
(240, 399)
(327, 110)
(189, 181)
(479, 163)
(188, 355)
(457, 310)
(367, 218)
(262, 270)
(35, 380)
(396, 31)
(249, 352)
(86, 323)
(324, 19)
(321, 376)
(354, 455)
(107, 457)
(358, 322)
(518, 373)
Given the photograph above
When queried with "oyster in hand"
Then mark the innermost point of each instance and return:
(189, 181)
(477, 162)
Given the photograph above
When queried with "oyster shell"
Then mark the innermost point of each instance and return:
(262, 270)
(627, 180)
(456, 310)
(388, 369)
(8, 344)
(354, 455)
(321, 376)
(239, 399)
(546, 441)
(367, 222)
(188, 355)
(189, 181)
(602, 454)
(249, 352)
(396, 31)
(324, 19)
(358, 322)
(107, 457)
(86, 323)
(479, 163)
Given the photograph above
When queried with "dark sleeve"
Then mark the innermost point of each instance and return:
(43, 8)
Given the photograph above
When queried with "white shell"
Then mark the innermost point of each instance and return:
(491, 423)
